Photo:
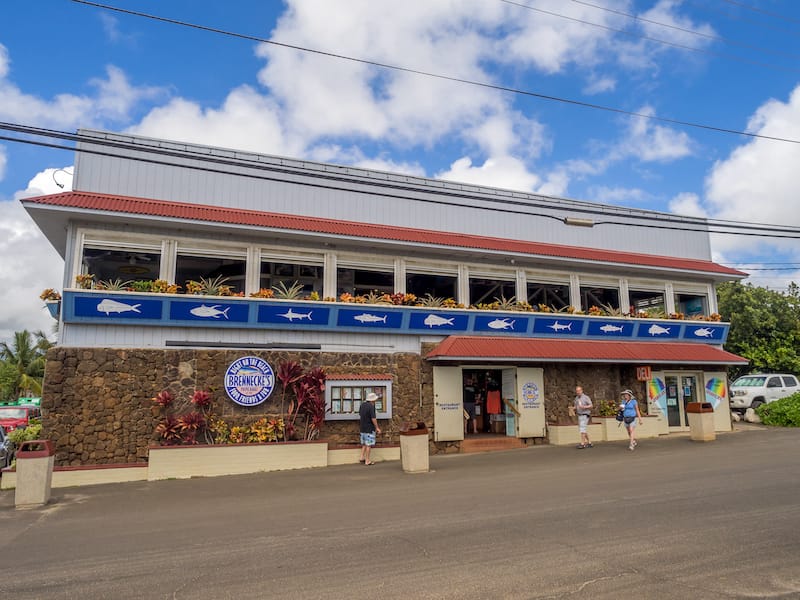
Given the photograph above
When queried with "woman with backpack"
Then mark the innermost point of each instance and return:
(630, 414)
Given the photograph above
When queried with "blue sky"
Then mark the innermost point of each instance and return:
(65, 65)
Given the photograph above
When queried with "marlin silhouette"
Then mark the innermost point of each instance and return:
(291, 315)
(559, 327)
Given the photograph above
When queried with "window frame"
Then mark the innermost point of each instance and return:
(358, 382)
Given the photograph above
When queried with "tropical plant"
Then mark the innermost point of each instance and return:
(142, 285)
(611, 311)
(293, 292)
(25, 357)
(263, 293)
(781, 413)
(113, 285)
(377, 298)
(503, 303)
(84, 281)
(288, 374)
(430, 301)
(161, 286)
(50, 294)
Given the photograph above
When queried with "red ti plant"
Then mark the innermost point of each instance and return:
(169, 430)
(289, 373)
(164, 399)
(189, 424)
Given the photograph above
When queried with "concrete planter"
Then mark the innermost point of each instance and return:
(613, 430)
(568, 435)
(183, 462)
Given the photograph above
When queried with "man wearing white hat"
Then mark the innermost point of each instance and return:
(368, 426)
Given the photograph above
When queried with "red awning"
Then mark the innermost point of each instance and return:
(470, 348)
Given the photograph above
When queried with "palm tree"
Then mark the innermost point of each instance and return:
(26, 355)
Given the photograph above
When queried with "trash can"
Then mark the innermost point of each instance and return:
(701, 421)
(414, 449)
(34, 473)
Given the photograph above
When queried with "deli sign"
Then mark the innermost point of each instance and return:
(643, 373)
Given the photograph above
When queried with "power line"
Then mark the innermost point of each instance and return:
(655, 221)
(735, 17)
(686, 30)
(496, 87)
(651, 39)
(762, 11)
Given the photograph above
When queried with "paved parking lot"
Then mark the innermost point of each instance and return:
(674, 519)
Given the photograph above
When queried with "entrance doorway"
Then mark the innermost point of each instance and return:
(485, 386)
(682, 388)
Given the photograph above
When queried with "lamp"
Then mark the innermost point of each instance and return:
(575, 222)
(60, 185)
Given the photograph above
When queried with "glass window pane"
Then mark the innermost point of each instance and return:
(125, 265)
(642, 301)
(274, 273)
(486, 291)
(438, 286)
(548, 294)
(691, 305)
(603, 298)
(360, 282)
(229, 271)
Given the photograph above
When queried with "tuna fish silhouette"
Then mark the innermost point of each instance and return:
(437, 321)
(704, 332)
(502, 324)
(210, 312)
(109, 306)
(657, 330)
(368, 318)
(609, 328)
(559, 327)
(291, 315)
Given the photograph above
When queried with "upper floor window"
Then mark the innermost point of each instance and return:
(644, 301)
(225, 271)
(691, 305)
(602, 297)
(552, 295)
(288, 274)
(485, 290)
(121, 264)
(360, 282)
(438, 286)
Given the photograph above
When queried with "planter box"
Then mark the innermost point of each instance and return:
(613, 430)
(350, 455)
(568, 435)
(87, 475)
(183, 462)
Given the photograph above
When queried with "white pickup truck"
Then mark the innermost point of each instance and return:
(751, 391)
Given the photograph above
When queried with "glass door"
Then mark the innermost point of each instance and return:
(673, 407)
(688, 394)
(681, 389)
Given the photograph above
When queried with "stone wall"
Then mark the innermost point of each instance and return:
(97, 407)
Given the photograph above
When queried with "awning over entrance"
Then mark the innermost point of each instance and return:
(489, 349)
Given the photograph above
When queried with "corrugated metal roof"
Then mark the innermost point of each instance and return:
(215, 214)
(456, 348)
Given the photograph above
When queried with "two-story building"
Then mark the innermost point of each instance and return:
(391, 283)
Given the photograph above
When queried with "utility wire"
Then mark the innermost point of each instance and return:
(735, 17)
(709, 36)
(497, 87)
(453, 198)
(651, 39)
(762, 11)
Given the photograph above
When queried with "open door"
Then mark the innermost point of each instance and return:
(510, 396)
(530, 421)
(448, 404)
(716, 392)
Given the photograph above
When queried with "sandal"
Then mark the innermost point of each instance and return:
(581, 446)
(361, 460)
(369, 463)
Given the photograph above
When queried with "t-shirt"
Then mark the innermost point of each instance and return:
(629, 408)
(583, 405)
(366, 413)
(469, 394)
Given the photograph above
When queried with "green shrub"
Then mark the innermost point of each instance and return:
(26, 434)
(781, 413)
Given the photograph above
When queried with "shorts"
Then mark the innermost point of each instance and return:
(368, 439)
(631, 425)
(583, 423)
(470, 408)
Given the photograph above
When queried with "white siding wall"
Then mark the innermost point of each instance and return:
(329, 191)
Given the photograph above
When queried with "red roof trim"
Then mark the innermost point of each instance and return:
(546, 350)
(215, 214)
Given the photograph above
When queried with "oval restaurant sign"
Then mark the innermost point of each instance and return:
(249, 381)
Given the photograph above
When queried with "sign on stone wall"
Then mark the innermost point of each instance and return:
(249, 381)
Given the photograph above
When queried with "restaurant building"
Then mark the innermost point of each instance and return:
(401, 285)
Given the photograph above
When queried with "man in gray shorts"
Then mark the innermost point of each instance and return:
(583, 408)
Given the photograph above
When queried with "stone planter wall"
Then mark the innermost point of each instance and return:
(96, 403)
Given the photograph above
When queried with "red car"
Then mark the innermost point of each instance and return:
(13, 417)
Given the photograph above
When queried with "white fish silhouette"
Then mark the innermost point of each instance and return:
(109, 306)
(368, 318)
(657, 330)
(291, 315)
(704, 332)
(501, 324)
(437, 321)
(559, 327)
(210, 311)
(609, 328)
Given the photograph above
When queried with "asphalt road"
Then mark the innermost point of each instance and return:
(674, 519)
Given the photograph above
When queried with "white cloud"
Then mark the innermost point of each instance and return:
(681, 29)
(599, 85)
(3, 162)
(22, 246)
(687, 204)
(649, 141)
(502, 172)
